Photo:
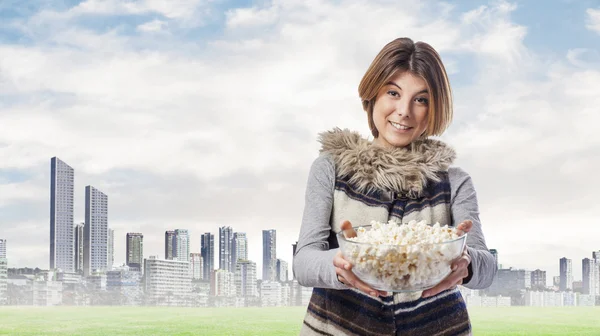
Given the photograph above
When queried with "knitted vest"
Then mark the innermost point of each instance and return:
(374, 183)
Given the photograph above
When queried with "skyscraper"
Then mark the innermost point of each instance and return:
(196, 265)
(566, 274)
(3, 273)
(239, 248)
(170, 245)
(538, 279)
(79, 242)
(111, 249)
(245, 279)
(589, 270)
(596, 258)
(95, 248)
(135, 250)
(62, 182)
(269, 255)
(182, 245)
(207, 250)
(2, 248)
(225, 246)
(282, 270)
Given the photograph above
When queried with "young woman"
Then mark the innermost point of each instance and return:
(401, 175)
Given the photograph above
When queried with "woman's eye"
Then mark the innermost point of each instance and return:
(393, 93)
(423, 100)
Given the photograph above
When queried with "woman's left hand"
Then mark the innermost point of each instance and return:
(458, 267)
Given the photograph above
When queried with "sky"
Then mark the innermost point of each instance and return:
(199, 114)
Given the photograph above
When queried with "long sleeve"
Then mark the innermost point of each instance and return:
(483, 267)
(313, 260)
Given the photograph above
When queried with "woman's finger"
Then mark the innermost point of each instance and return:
(339, 261)
(465, 226)
(349, 231)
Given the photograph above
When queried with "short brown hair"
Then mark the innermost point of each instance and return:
(420, 59)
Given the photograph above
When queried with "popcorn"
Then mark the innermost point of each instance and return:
(393, 256)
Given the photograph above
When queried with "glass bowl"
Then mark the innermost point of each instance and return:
(401, 268)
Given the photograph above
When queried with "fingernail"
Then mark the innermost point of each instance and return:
(374, 294)
(453, 267)
(346, 266)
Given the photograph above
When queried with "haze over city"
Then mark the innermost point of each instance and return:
(196, 115)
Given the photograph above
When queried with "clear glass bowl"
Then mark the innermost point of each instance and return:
(401, 268)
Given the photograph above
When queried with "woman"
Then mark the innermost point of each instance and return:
(400, 175)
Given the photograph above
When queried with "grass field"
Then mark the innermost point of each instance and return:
(265, 321)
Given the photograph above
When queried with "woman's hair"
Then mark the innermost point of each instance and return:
(421, 60)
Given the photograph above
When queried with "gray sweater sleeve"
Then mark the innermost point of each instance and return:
(313, 260)
(464, 206)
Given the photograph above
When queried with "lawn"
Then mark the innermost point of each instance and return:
(264, 321)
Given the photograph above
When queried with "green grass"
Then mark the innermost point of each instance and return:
(265, 321)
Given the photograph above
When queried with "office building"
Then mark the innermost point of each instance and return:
(269, 255)
(62, 247)
(239, 248)
(207, 250)
(167, 282)
(182, 245)
(225, 248)
(170, 245)
(79, 240)
(566, 274)
(96, 234)
(134, 249)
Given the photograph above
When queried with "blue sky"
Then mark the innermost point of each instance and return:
(194, 114)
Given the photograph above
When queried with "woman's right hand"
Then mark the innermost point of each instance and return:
(343, 268)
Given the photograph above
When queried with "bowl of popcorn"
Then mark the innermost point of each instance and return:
(395, 257)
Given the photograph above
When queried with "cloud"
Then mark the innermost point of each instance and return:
(152, 26)
(244, 17)
(200, 134)
(593, 20)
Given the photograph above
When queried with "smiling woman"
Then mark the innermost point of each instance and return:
(400, 176)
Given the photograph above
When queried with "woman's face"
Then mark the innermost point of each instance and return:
(400, 110)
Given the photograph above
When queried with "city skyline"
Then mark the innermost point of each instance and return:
(177, 241)
(143, 109)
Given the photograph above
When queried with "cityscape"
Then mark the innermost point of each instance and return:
(82, 270)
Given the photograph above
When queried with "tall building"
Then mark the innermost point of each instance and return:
(3, 273)
(2, 248)
(239, 248)
(196, 265)
(269, 255)
(167, 282)
(79, 242)
(245, 279)
(95, 247)
(134, 257)
(182, 245)
(111, 249)
(62, 247)
(538, 279)
(225, 237)
(207, 249)
(589, 274)
(222, 283)
(596, 258)
(566, 274)
(170, 245)
(3, 278)
(282, 270)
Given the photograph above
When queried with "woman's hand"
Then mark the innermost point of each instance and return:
(459, 267)
(343, 268)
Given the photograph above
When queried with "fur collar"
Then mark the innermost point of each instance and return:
(402, 170)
